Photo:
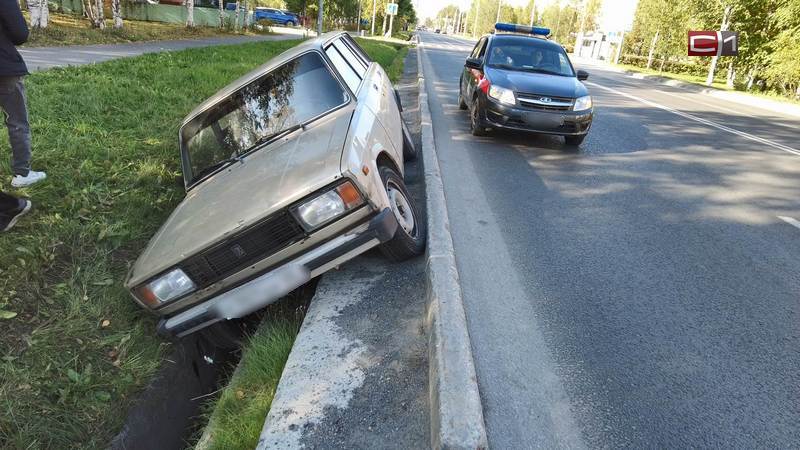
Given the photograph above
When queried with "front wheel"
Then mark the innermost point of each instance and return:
(462, 105)
(574, 140)
(475, 123)
(409, 238)
(409, 149)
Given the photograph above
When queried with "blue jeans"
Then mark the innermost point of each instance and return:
(13, 104)
(8, 204)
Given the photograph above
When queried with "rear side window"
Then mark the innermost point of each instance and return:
(350, 56)
(352, 71)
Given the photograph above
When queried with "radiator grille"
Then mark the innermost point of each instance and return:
(252, 245)
(534, 101)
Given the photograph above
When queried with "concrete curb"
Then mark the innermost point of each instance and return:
(455, 402)
(736, 97)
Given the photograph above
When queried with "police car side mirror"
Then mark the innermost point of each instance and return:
(473, 63)
(583, 75)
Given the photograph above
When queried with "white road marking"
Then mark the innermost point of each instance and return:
(703, 121)
(791, 221)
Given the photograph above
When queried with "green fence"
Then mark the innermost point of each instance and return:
(175, 14)
(66, 6)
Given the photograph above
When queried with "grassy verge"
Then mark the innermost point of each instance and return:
(65, 29)
(74, 349)
(237, 416)
(701, 81)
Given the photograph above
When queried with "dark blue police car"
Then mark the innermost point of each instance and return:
(516, 79)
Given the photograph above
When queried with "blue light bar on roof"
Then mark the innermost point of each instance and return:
(514, 28)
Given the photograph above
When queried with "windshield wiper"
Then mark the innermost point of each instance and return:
(216, 166)
(271, 137)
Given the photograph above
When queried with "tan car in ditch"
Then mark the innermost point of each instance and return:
(290, 171)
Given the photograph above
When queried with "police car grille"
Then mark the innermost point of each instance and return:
(535, 101)
(250, 246)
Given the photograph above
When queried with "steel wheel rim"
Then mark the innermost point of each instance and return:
(401, 208)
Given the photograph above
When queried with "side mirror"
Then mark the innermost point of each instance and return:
(583, 75)
(473, 63)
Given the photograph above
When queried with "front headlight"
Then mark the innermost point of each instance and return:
(502, 95)
(582, 103)
(327, 206)
(165, 288)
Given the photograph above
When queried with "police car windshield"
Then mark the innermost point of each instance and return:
(528, 55)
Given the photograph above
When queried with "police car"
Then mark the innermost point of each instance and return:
(517, 79)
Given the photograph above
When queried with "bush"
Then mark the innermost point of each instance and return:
(679, 67)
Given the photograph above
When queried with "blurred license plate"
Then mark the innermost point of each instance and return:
(545, 120)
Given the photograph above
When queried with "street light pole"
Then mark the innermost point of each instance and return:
(358, 26)
(499, 4)
(372, 33)
(319, 19)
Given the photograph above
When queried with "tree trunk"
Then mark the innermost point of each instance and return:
(244, 19)
(236, 18)
(100, 18)
(190, 13)
(40, 13)
(652, 49)
(751, 78)
(731, 75)
(726, 20)
(221, 13)
(116, 12)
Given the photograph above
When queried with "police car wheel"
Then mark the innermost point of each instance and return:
(461, 103)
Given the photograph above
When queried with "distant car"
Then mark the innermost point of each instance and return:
(438, 30)
(293, 169)
(524, 82)
(276, 16)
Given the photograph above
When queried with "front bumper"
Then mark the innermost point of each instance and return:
(564, 123)
(276, 283)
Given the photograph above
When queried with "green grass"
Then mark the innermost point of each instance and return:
(65, 29)
(74, 348)
(106, 135)
(237, 416)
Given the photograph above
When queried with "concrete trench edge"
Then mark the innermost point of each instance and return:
(456, 412)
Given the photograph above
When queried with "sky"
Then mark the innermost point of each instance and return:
(615, 14)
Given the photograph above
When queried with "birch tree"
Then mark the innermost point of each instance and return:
(189, 13)
(116, 12)
(221, 13)
(40, 13)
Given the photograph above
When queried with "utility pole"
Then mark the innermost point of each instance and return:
(499, 4)
(358, 26)
(477, 11)
(533, 12)
(319, 19)
(372, 33)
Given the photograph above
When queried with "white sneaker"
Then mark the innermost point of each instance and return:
(32, 178)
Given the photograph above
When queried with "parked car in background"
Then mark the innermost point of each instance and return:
(290, 171)
(276, 16)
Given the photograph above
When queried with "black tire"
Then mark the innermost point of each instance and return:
(409, 149)
(404, 244)
(290, 24)
(475, 125)
(462, 105)
(574, 140)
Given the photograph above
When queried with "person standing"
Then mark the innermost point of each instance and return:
(11, 209)
(13, 32)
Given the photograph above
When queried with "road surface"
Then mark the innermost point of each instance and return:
(640, 291)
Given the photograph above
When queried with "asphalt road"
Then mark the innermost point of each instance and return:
(640, 291)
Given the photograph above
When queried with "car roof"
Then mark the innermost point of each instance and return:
(510, 37)
(312, 44)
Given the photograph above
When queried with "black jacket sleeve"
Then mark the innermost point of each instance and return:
(12, 24)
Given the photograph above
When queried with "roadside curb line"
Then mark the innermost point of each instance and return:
(456, 413)
(731, 96)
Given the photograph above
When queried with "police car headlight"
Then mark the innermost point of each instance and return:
(502, 95)
(582, 103)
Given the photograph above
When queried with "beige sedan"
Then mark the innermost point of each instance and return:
(291, 170)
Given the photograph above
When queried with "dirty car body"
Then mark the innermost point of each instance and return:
(283, 170)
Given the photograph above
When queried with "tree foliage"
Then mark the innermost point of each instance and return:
(769, 47)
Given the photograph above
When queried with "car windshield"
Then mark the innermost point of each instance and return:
(265, 109)
(528, 55)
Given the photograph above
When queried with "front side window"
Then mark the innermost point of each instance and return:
(282, 100)
(528, 55)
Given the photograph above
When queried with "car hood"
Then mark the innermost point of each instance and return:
(266, 181)
(537, 83)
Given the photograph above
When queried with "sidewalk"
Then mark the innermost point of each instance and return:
(43, 58)
(732, 96)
